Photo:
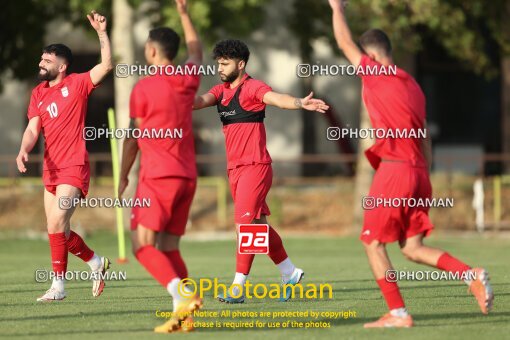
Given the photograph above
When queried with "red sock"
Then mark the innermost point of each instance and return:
(391, 294)
(180, 267)
(451, 264)
(77, 247)
(244, 262)
(157, 264)
(277, 252)
(58, 248)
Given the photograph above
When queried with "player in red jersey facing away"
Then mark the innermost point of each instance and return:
(241, 102)
(168, 172)
(58, 106)
(402, 171)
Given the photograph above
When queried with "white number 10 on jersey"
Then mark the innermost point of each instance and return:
(53, 110)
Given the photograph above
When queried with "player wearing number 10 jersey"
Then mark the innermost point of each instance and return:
(57, 108)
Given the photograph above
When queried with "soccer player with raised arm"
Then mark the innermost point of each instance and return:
(241, 102)
(402, 171)
(168, 174)
(58, 106)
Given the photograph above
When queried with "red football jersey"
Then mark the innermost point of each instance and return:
(165, 102)
(394, 102)
(245, 142)
(62, 109)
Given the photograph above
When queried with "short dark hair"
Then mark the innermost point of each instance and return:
(60, 50)
(167, 39)
(231, 49)
(376, 38)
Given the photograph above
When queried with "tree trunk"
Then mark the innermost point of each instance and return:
(309, 134)
(124, 53)
(308, 141)
(505, 107)
(505, 85)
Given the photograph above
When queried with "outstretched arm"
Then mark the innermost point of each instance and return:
(193, 43)
(285, 101)
(27, 143)
(99, 72)
(204, 100)
(343, 34)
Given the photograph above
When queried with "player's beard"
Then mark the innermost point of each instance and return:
(47, 74)
(231, 77)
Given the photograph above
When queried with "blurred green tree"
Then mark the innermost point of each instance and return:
(23, 23)
(459, 26)
(22, 27)
(217, 19)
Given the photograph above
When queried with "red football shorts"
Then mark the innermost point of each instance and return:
(78, 176)
(387, 223)
(249, 185)
(170, 202)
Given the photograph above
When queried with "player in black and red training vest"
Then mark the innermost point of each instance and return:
(241, 102)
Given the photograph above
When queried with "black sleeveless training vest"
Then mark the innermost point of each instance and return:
(234, 113)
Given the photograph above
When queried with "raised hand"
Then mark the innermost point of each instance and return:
(338, 4)
(97, 21)
(181, 6)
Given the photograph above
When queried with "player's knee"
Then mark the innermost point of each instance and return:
(170, 246)
(410, 253)
(145, 241)
(56, 224)
(140, 239)
(136, 246)
(169, 242)
(144, 237)
(374, 246)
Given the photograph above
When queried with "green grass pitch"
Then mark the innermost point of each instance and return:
(126, 310)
